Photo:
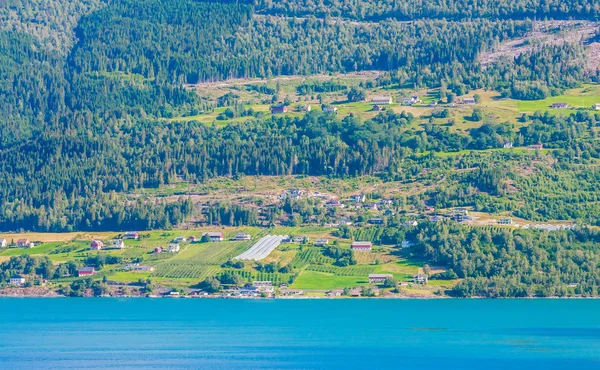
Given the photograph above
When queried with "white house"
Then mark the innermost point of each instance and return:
(329, 109)
(17, 280)
(3, 243)
(173, 248)
(242, 237)
(118, 244)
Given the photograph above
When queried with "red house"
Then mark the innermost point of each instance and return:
(86, 271)
(362, 246)
(96, 245)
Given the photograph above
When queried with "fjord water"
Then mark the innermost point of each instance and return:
(299, 334)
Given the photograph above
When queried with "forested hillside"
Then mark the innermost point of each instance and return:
(86, 88)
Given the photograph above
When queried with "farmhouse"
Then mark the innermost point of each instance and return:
(362, 246)
(468, 101)
(559, 105)
(420, 279)
(505, 221)
(381, 100)
(118, 244)
(96, 245)
(378, 278)
(173, 248)
(17, 280)
(3, 243)
(412, 100)
(24, 243)
(335, 293)
(508, 145)
(358, 198)
(279, 109)
(329, 109)
(376, 221)
(535, 147)
(86, 271)
(321, 241)
(131, 235)
(143, 268)
(213, 236)
(180, 239)
(242, 237)
(596, 106)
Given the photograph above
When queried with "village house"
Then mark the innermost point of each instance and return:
(358, 198)
(362, 246)
(96, 245)
(468, 101)
(3, 243)
(508, 145)
(559, 105)
(279, 109)
(386, 203)
(134, 235)
(173, 248)
(376, 221)
(535, 147)
(118, 244)
(180, 239)
(410, 223)
(412, 100)
(330, 109)
(379, 278)
(17, 280)
(406, 244)
(437, 218)
(382, 100)
(335, 293)
(300, 239)
(371, 206)
(334, 203)
(377, 108)
(505, 221)
(213, 236)
(345, 222)
(242, 237)
(24, 243)
(596, 106)
(420, 279)
(321, 241)
(86, 271)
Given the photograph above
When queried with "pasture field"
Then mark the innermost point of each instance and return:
(313, 280)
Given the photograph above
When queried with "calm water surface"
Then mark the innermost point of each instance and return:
(299, 334)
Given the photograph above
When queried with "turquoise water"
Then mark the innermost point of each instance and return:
(299, 334)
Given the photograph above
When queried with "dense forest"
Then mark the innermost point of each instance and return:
(84, 85)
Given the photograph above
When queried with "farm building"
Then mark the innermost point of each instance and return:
(379, 278)
(180, 239)
(321, 241)
(17, 280)
(420, 279)
(329, 109)
(279, 109)
(173, 248)
(242, 237)
(362, 246)
(377, 108)
(381, 100)
(412, 100)
(118, 244)
(559, 105)
(376, 221)
(143, 268)
(508, 145)
(24, 243)
(535, 147)
(131, 235)
(468, 101)
(158, 250)
(213, 236)
(306, 108)
(86, 271)
(96, 245)
(505, 221)
(596, 106)
(3, 243)
(192, 239)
